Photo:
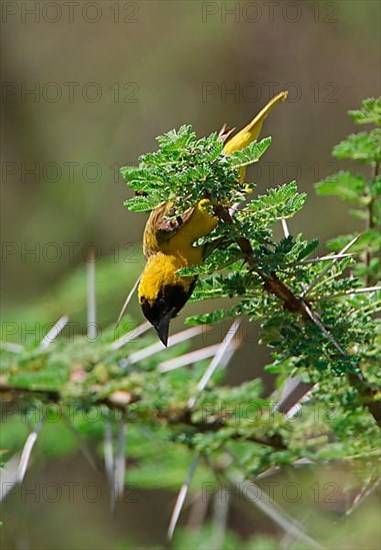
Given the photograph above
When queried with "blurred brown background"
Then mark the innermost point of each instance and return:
(108, 77)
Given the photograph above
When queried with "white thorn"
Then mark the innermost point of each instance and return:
(158, 346)
(127, 301)
(223, 349)
(54, 332)
(188, 358)
(120, 461)
(10, 346)
(353, 291)
(261, 500)
(91, 298)
(131, 335)
(286, 231)
(293, 391)
(328, 267)
(26, 452)
(181, 497)
(327, 258)
(108, 452)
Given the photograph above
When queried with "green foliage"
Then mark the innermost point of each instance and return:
(364, 193)
(281, 202)
(370, 112)
(184, 169)
(347, 186)
(364, 146)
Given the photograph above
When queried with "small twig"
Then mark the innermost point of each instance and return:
(274, 285)
(271, 283)
(369, 224)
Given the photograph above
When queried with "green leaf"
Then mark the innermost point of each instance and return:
(141, 204)
(359, 214)
(344, 185)
(177, 138)
(281, 202)
(370, 112)
(307, 248)
(131, 173)
(370, 239)
(215, 149)
(363, 146)
(252, 153)
(207, 318)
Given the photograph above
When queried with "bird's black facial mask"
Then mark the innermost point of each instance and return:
(168, 303)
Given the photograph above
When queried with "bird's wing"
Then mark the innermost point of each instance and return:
(162, 225)
(169, 223)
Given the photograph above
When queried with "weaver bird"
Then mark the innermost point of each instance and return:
(168, 242)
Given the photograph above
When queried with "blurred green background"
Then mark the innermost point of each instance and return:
(108, 78)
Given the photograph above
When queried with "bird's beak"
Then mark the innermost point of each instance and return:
(162, 328)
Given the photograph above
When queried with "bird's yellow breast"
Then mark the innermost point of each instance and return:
(160, 271)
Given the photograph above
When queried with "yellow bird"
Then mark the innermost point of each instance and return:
(168, 243)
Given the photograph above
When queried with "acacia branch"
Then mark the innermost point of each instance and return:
(296, 304)
(121, 401)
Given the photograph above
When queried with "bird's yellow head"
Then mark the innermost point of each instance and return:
(162, 293)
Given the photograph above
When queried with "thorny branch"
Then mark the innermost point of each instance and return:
(295, 304)
(181, 417)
